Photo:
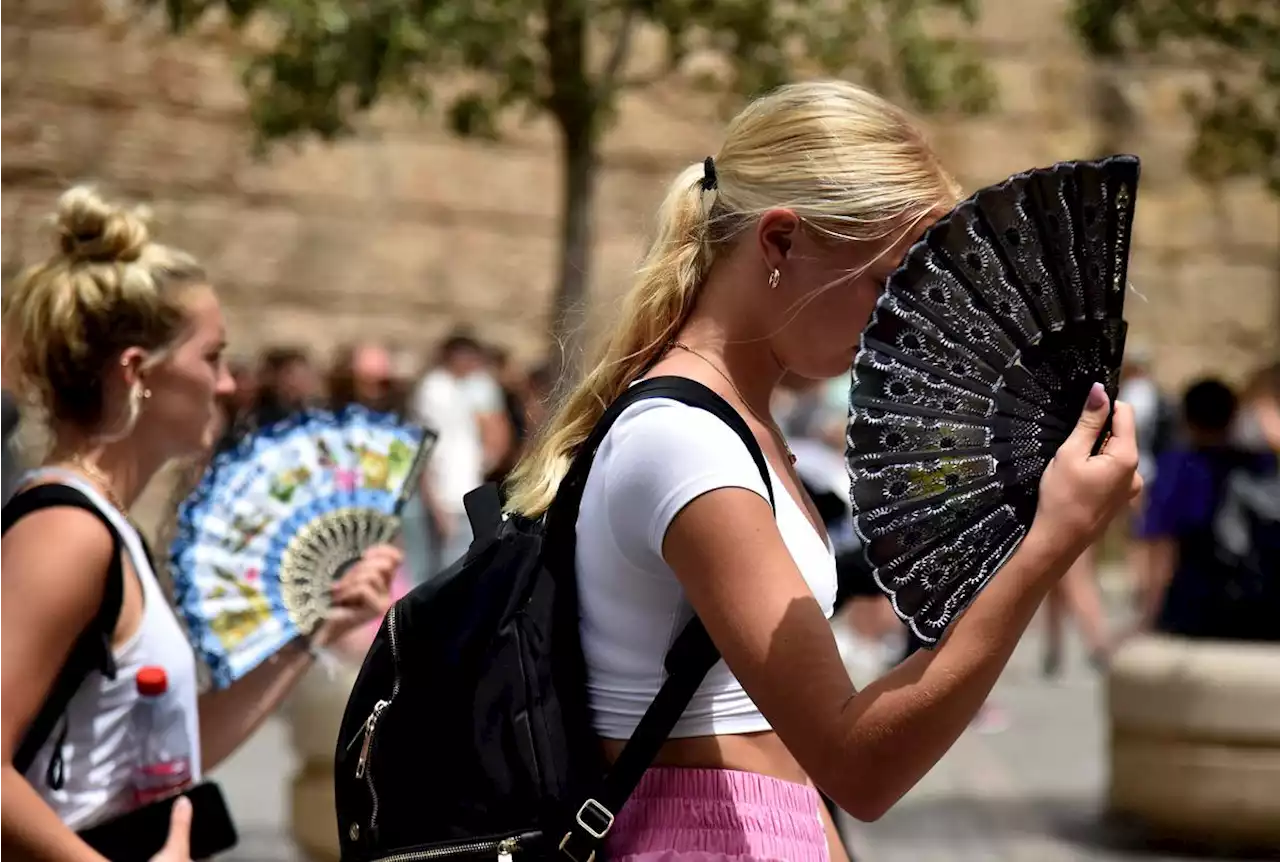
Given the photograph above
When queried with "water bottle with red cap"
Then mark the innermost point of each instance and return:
(164, 766)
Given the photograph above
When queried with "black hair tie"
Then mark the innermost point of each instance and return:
(708, 174)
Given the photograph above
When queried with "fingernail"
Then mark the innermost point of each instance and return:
(1097, 397)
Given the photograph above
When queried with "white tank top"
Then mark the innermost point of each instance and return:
(101, 749)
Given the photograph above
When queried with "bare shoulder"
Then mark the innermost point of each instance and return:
(54, 560)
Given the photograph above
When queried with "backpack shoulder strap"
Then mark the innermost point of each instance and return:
(563, 517)
(691, 656)
(92, 649)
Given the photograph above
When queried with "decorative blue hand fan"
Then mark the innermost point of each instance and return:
(973, 370)
(277, 518)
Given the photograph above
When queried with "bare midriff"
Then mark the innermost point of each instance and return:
(761, 753)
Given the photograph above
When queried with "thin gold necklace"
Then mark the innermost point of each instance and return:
(99, 479)
(773, 428)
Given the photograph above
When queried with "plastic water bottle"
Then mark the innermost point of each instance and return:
(164, 766)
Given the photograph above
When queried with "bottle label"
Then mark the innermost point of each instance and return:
(160, 780)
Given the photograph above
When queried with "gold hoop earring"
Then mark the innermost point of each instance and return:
(774, 278)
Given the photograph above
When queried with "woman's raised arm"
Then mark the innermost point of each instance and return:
(866, 749)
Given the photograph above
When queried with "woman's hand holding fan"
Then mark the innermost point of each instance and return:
(1080, 493)
(287, 535)
(362, 594)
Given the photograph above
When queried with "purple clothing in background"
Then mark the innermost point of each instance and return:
(1187, 489)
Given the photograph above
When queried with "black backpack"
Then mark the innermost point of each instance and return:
(1246, 546)
(91, 652)
(468, 733)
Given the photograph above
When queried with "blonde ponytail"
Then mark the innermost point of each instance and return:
(849, 164)
(655, 309)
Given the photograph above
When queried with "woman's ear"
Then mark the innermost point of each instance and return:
(131, 362)
(776, 233)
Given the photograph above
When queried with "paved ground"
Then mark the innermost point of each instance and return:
(254, 781)
(1028, 794)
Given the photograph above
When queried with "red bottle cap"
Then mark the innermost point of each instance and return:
(152, 681)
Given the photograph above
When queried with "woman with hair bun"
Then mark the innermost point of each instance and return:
(121, 341)
(768, 259)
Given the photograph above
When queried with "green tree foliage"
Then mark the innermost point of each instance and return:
(329, 60)
(1237, 42)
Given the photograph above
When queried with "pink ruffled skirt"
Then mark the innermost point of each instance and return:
(717, 815)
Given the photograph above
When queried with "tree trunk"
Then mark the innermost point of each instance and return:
(570, 306)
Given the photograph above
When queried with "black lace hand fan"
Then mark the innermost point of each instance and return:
(974, 368)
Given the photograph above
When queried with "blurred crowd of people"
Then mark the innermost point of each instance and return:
(1207, 457)
(483, 406)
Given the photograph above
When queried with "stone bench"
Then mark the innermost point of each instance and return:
(1195, 739)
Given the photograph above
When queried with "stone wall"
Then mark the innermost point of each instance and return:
(404, 231)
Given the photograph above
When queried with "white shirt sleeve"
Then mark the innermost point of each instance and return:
(659, 456)
(425, 405)
(484, 393)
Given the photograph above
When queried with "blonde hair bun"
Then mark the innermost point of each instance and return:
(91, 229)
(105, 287)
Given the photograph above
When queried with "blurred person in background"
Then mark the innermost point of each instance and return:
(1188, 588)
(245, 375)
(813, 414)
(1258, 424)
(237, 406)
(1155, 415)
(804, 411)
(514, 386)
(121, 340)
(1247, 523)
(1078, 598)
(538, 398)
(1158, 424)
(287, 382)
(364, 374)
(459, 399)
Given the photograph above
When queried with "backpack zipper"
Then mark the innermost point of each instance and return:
(505, 849)
(371, 724)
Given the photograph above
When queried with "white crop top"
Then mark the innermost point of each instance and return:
(659, 456)
(102, 749)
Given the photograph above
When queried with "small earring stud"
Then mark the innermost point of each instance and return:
(146, 393)
(774, 278)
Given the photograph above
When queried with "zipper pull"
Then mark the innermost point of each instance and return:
(505, 849)
(369, 725)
